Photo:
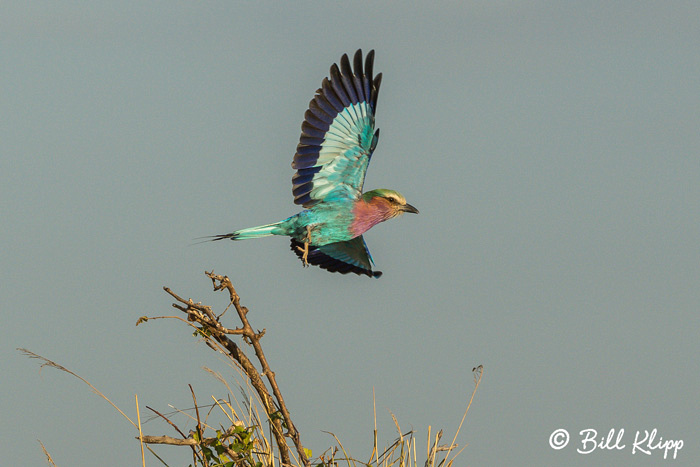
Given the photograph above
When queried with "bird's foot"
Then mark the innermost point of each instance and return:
(305, 250)
(305, 254)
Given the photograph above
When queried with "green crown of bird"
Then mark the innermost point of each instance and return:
(337, 142)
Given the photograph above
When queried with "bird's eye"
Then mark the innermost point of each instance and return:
(391, 199)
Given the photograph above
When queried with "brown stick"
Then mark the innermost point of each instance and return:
(225, 282)
(212, 329)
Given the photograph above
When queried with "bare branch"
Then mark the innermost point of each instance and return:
(172, 441)
(193, 443)
(216, 335)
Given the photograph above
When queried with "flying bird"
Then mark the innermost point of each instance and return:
(337, 142)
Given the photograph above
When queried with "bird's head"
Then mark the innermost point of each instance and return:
(392, 202)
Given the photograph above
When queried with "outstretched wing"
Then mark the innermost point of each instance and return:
(342, 257)
(337, 136)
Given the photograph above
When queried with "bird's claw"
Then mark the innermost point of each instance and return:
(305, 250)
(305, 254)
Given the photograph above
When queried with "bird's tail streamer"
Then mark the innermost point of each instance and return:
(252, 232)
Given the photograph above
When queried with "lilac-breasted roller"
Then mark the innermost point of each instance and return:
(337, 142)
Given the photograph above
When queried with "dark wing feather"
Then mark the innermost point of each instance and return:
(338, 136)
(342, 257)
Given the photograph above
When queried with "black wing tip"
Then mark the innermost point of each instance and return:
(345, 65)
(335, 72)
(357, 63)
(366, 67)
(344, 68)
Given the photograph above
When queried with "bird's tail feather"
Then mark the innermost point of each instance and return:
(252, 232)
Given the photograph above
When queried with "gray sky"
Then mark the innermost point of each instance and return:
(551, 147)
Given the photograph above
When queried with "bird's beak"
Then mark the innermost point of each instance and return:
(408, 208)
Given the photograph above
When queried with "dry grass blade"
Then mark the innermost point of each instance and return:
(375, 447)
(49, 460)
(478, 373)
(138, 418)
(51, 364)
(347, 459)
(433, 450)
